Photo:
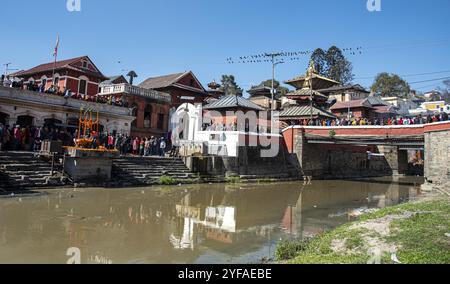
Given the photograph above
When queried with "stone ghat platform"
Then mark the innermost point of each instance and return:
(20, 171)
(138, 171)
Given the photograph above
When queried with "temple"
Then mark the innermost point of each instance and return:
(307, 103)
(262, 96)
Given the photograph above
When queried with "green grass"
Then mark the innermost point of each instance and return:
(420, 239)
(166, 180)
(232, 179)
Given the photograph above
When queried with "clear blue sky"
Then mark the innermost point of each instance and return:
(158, 37)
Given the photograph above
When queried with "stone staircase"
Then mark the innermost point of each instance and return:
(22, 170)
(138, 171)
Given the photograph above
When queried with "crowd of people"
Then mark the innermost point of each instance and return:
(400, 120)
(30, 139)
(144, 147)
(5, 81)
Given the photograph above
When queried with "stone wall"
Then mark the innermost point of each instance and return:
(437, 157)
(327, 161)
(249, 163)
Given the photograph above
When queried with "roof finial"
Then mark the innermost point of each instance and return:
(311, 68)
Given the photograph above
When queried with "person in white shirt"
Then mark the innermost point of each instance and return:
(7, 83)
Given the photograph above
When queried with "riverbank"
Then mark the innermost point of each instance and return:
(413, 233)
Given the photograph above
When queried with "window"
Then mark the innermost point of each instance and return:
(85, 65)
(82, 87)
(148, 116)
(56, 81)
(134, 113)
(161, 121)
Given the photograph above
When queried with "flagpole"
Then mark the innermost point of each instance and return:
(55, 54)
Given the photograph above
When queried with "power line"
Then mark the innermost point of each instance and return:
(431, 80)
(285, 55)
(425, 87)
(408, 75)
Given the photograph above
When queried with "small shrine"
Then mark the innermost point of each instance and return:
(89, 161)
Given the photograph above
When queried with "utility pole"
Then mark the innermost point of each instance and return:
(274, 64)
(311, 97)
(6, 68)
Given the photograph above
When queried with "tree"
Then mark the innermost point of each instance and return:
(445, 91)
(280, 90)
(319, 57)
(390, 85)
(230, 87)
(333, 64)
(339, 68)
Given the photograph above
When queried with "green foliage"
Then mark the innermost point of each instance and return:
(230, 87)
(233, 179)
(332, 134)
(287, 250)
(319, 57)
(333, 64)
(339, 68)
(390, 85)
(445, 91)
(420, 239)
(166, 180)
(280, 90)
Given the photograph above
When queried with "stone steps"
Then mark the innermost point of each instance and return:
(148, 171)
(22, 170)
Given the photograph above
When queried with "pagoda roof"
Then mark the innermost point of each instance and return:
(305, 92)
(227, 102)
(356, 87)
(319, 82)
(260, 91)
(294, 112)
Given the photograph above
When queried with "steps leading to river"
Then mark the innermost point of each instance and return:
(140, 171)
(22, 170)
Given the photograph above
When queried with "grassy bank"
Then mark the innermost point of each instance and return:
(412, 233)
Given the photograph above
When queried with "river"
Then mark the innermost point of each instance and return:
(211, 223)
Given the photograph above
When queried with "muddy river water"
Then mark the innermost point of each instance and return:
(182, 224)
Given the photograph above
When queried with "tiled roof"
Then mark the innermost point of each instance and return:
(356, 87)
(58, 65)
(384, 109)
(233, 102)
(305, 92)
(304, 111)
(376, 101)
(351, 104)
(315, 76)
(162, 81)
(111, 80)
(48, 66)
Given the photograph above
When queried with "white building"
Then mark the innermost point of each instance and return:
(26, 108)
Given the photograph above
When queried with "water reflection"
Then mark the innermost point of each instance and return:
(197, 224)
